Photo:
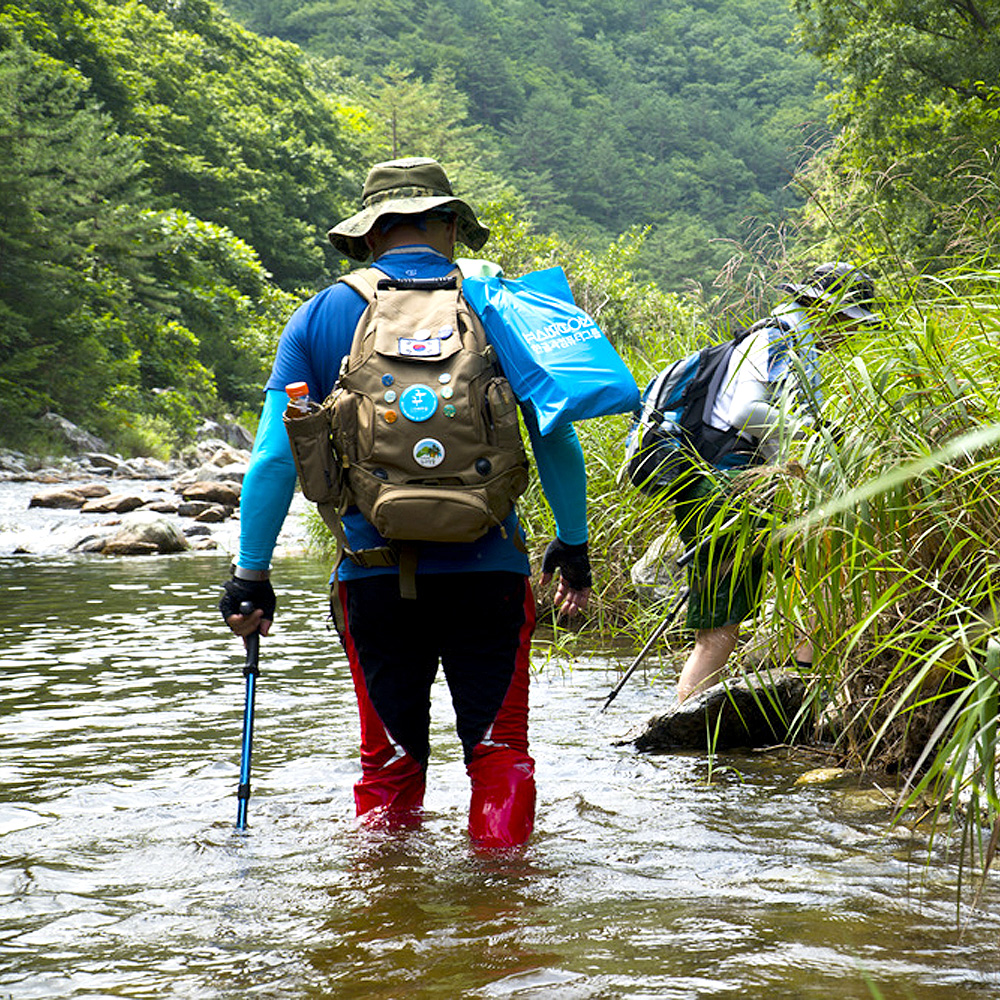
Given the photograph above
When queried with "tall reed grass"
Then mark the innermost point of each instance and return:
(885, 548)
(899, 553)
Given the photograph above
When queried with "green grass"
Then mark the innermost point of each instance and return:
(887, 551)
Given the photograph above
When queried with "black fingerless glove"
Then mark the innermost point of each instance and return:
(259, 593)
(572, 562)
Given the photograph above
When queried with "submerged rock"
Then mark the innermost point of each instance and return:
(752, 711)
(823, 776)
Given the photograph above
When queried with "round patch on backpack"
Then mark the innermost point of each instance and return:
(418, 402)
(428, 453)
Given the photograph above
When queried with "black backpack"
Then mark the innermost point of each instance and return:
(670, 435)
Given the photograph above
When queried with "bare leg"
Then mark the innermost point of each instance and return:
(707, 661)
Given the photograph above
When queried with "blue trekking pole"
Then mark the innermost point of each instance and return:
(251, 672)
(682, 598)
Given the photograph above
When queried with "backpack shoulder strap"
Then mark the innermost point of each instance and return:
(367, 280)
(721, 367)
(766, 323)
(364, 281)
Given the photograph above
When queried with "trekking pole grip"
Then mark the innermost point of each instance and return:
(253, 644)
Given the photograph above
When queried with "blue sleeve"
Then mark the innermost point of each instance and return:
(267, 487)
(563, 474)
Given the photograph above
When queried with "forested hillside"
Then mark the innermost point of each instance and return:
(168, 175)
(689, 117)
(915, 175)
(167, 181)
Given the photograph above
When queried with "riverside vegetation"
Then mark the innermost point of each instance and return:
(170, 176)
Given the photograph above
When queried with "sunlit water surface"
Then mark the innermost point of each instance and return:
(121, 703)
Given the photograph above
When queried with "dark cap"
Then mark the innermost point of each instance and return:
(849, 290)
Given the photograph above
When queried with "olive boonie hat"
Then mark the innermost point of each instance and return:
(404, 187)
(850, 291)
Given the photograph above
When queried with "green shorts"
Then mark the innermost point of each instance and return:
(722, 593)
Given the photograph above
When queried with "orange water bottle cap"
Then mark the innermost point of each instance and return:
(297, 389)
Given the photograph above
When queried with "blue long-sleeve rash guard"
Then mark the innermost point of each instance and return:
(311, 348)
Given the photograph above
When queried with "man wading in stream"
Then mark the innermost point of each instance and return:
(768, 394)
(402, 609)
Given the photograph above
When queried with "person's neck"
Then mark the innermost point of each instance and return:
(435, 237)
(412, 248)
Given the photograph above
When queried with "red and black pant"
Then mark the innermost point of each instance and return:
(478, 626)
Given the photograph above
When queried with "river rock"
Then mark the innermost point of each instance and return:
(113, 503)
(751, 711)
(70, 497)
(231, 433)
(76, 437)
(140, 536)
(216, 453)
(147, 468)
(222, 492)
(100, 460)
(214, 514)
(232, 472)
(160, 507)
(13, 465)
(192, 508)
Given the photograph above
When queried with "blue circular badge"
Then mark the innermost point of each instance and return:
(418, 403)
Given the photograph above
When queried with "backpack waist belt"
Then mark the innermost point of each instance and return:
(383, 555)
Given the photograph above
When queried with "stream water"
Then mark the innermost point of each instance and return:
(122, 875)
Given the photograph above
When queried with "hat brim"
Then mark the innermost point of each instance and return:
(812, 293)
(349, 236)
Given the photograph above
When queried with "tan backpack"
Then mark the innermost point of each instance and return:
(421, 430)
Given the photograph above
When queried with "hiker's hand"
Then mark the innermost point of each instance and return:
(260, 594)
(573, 589)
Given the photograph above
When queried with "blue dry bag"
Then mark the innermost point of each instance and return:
(554, 355)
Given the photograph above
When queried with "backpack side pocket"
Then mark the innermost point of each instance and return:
(502, 428)
(311, 440)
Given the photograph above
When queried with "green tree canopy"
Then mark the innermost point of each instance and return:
(111, 309)
(920, 108)
(230, 126)
(606, 114)
(68, 189)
